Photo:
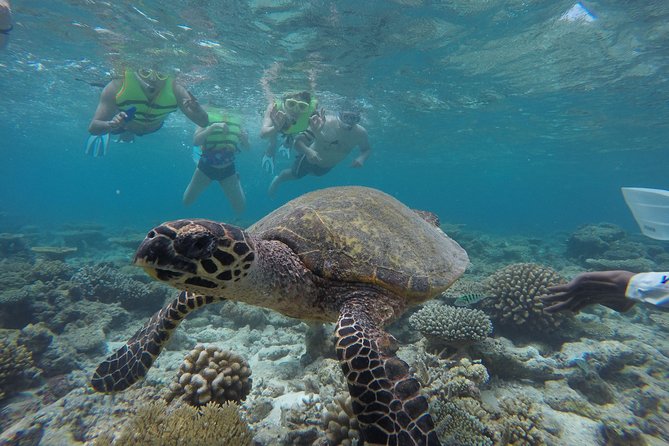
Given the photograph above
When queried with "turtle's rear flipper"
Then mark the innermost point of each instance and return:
(132, 361)
(386, 398)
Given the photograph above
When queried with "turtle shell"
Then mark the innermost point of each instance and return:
(361, 235)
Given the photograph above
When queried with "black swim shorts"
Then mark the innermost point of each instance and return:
(216, 173)
(302, 167)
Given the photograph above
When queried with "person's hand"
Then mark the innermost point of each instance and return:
(601, 287)
(118, 121)
(312, 156)
(220, 126)
(278, 117)
(267, 164)
(317, 121)
(357, 163)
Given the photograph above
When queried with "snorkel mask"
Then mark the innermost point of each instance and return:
(349, 118)
(149, 74)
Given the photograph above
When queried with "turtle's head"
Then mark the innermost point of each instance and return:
(201, 256)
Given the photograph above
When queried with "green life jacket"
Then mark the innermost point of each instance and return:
(148, 113)
(302, 122)
(220, 140)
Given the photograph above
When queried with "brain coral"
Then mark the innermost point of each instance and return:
(211, 374)
(516, 290)
(444, 325)
(155, 425)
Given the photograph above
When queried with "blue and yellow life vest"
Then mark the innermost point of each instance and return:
(149, 113)
(302, 122)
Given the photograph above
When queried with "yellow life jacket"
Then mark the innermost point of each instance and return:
(148, 113)
(218, 139)
(302, 122)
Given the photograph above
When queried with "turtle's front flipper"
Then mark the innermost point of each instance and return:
(386, 398)
(131, 362)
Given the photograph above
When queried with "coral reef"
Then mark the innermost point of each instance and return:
(507, 361)
(464, 285)
(520, 424)
(606, 246)
(51, 270)
(54, 252)
(444, 325)
(52, 355)
(516, 290)
(456, 425)
(211, 374)
(155, 425)
(340, 423)
(593, 240)
(17, 370)
(104, 283)
(13, 245)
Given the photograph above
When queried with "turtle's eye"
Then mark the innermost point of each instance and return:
(151, 234)
(194, 246)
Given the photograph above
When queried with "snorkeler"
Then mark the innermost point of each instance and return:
(219, 142)
(618, 290)
(288, 117)
(328, 141)
(138, 104)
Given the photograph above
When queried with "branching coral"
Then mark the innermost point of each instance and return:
(456, 424)
(211, 374)
(16, 367)
(340, 422)
(444, 325)
(520, 423)
(516, 290)
(155, 425)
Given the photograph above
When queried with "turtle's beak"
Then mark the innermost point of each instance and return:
(157, 255)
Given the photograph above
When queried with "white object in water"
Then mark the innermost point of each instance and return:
(578, 13)
(650, 208)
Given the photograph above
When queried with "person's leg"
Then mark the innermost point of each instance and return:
(285, 175)
(198, 183)
(298, 170)
(235, 194)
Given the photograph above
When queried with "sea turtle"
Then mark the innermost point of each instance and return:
(354, 255)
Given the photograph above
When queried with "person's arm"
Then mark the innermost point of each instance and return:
(607, 288)
(651, 288)
(107, 118)
(189, 106)
(5, 22)
(365, 150)
(244, 140)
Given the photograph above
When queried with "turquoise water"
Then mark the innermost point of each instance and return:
(496, 115)
(517, 122)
